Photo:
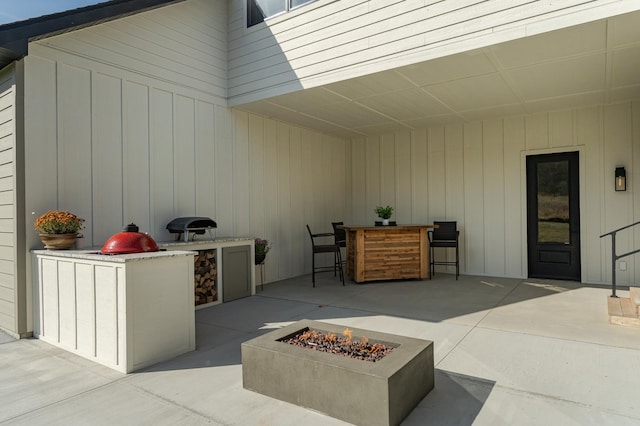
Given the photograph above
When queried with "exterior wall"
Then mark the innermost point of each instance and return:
(474, 173)
(116, 141)
(328, 41)
(10, 294)
(128, 121)
(123, 127)
(285, 178)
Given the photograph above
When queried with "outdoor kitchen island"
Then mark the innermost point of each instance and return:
(387, 252)
(125, 311)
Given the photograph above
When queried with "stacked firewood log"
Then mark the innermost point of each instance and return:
(205, 277)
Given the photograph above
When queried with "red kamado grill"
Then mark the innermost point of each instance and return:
(129, 241)
(195, 225)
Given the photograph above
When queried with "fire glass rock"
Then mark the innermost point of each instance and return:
(345, 345)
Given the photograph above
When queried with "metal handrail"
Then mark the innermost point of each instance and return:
(615, 257)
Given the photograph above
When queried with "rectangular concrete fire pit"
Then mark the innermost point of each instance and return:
(353, 390)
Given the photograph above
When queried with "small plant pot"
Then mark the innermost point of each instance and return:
(58, 241)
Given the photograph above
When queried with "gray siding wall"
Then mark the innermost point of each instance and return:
(8, 282)
(328, 41)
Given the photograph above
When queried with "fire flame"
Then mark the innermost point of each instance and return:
(348, 334)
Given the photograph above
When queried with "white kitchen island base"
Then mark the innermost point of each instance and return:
(124, 311)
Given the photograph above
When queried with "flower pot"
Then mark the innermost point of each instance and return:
(58, 241)
(385, 222)
(260, 259)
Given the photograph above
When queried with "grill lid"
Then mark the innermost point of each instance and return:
(191, 224)
(129, 241)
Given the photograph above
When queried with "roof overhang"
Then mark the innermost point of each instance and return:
(15, 37)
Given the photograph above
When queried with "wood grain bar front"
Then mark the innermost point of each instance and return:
(387, 252)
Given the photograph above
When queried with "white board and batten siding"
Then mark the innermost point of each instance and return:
(110, 311)
(8, 279)
(134, 114)
(474, 173)
(328, 41)
(137, 133)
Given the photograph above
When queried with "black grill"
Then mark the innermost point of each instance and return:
(195, 225)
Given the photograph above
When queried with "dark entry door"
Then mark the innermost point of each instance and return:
(553, 216)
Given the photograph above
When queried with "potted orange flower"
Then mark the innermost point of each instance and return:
(58, 229)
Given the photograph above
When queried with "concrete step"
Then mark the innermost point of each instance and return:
(622, 311)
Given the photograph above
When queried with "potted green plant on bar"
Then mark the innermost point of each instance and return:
(261, 250)
(384, 213)
(58, 229)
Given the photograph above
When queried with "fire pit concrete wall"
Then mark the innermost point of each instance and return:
(357, 391)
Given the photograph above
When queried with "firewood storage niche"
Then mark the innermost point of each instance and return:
(223, 268)
(205, 274)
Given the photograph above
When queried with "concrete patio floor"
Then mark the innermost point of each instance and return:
(507, 352)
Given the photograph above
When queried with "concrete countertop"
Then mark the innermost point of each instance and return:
(167, 249)
(95, 255)
(209, 241)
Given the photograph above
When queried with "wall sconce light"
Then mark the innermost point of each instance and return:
(621, 179)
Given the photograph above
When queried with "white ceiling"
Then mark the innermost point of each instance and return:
(594, 63)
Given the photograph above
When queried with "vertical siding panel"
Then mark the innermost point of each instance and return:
(241, 174)
(633, 181)
(308, 170)
(342, 156)
(298, 222)
(136, 155)
(106, 145)
(493, 166)
(74, 133)
(339, 181)
(256, 161)
(618, 150)
(85, 315)
(348, 179)
(420, 177)
(589, 133)
(473, 199)
(387, 171)
(403, 168)
(66, 305)
(514, 181)
(537, 127)
(161, 154)
(561, 129)
(373, 178)
(454, 173)
(282, 249)
(184, 156)
(40, 138)
(225, 198)
(272, 221)
(320, 166)
(359, 181)
(204, 152)
(437, 178)
(454, 183)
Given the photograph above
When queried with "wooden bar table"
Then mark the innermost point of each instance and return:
(387, 252)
